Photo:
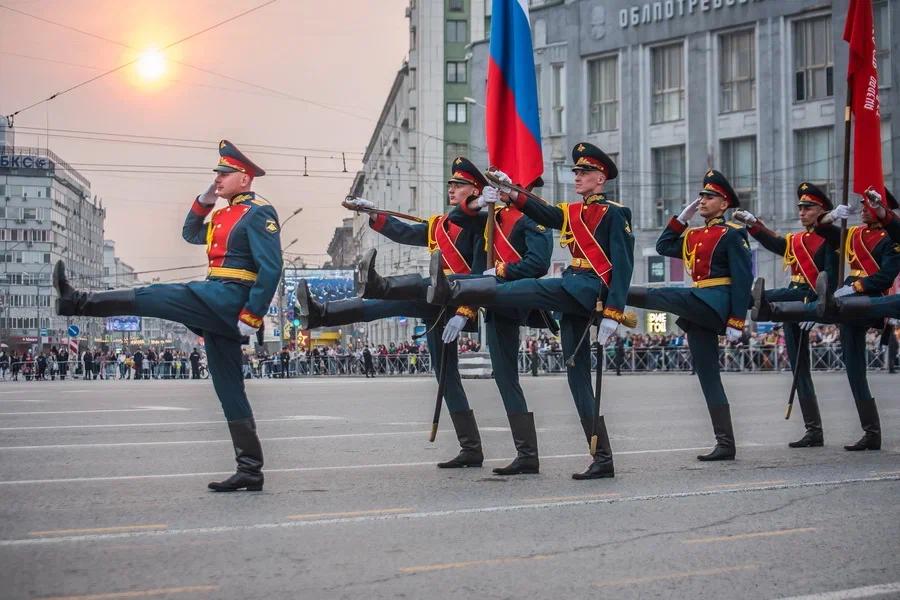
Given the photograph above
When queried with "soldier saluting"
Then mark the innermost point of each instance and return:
(717, 256)
(244, 255)
(807, 254)
(597, 232)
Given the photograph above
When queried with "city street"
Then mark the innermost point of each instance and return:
(104, 495)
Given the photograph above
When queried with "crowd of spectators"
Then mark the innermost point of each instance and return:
(95, 363)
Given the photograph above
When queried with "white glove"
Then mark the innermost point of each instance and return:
(489, 196)
(453, 327)
(208, 198)
(492, 272)
(842, 211)
(504, 178)
(807, 325)
(745, 216)
(606, 329)
(245, 329)
(894, 322)
(844, 290)
(689, 211)
(874, 200)
(732, 334)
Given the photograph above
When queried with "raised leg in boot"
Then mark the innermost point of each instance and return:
(395, 287)
(71, 302)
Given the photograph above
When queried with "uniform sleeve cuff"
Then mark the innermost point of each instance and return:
(615, 314)
(735, 323)
(755, 228)
(501, 269)
(250, 319)
(466, 311)
(889, 216)
(378, 222)
(676, 225)
(201, 210)
(858, 286)
(520, 200)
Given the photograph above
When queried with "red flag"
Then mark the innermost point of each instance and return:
(862, 80)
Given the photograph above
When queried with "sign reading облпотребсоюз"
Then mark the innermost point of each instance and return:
(664, 10)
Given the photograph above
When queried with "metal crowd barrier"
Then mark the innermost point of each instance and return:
(632, 360)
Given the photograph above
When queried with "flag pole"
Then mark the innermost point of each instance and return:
(846, 191)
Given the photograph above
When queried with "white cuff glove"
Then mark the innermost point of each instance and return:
(842, 211)
(732, 334)
(504, 178)
(363, 203)
(453, 327)
(208, 198)
(489, 196)
(807, 325)
(492, 272)
(606, 329)
(844, 290)
(689, 211)
(245, 329)
(745, 216)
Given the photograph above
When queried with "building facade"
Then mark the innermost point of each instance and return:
(47, 213)
(671, 88)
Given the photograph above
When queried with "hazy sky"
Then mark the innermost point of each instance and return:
(342, 55)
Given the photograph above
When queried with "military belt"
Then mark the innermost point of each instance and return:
(858, 273)
(229, 273)
(712, 282)
(581, 263)
(798, 279)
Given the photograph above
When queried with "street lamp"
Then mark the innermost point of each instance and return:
(281, 287)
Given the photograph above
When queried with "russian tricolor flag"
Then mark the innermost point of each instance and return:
(512, 124)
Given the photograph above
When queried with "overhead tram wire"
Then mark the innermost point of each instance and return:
(10, 117)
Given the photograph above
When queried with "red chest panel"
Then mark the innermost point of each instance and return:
(506, 220)
(699, 245)
(220, 227)
(804, 247)
(861, 243)
(591, 214)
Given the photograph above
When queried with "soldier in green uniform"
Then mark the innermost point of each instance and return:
(717, 256)
(874, 260)
(806, 254)
(244, 255)
(522, 250)
(597, 232)
(404, 295)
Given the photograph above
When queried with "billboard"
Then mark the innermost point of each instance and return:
(126, 324)
(324, 284)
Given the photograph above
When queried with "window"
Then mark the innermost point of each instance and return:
(882, 15)
(456, 72)
(413, 198)
(456, 112)
(558, 100)
(604, 91)
(739, 162)
(454, 150)
(737, 72)
(540, 98)
(813, 60)
(457, 32)
(668, 166)
(412, 79)
(456, 5)
(887, 154)
(29, 212)
(611, 189)
(412, 38)
(412, 117)
(412, 158)
(656, 269)
(813, 156)
(667, 64)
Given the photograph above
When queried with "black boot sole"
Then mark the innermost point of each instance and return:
(861, 448)
(712, 457)
(800, 444)
(453, 465)
(518, 469)
(249, 488)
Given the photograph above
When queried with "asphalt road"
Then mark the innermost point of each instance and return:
(103, 489)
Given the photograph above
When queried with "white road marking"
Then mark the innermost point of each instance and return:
(444, 513)
(179, 423)
(98, 410)
(860, 592)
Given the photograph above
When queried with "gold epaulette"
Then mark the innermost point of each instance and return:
(260, 201)
(614, 203)
(734, 225)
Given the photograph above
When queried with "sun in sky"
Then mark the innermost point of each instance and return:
(151, 66)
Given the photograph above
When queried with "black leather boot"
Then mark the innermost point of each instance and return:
(394, 287)
(637, 296)
(721, 421)
(602, 466)
(813, 421)
(439, 290)
(871, 424)
(825, 306)
(470, 454)
(761, 310)
(525, 439)
(478, 291)
(312, 314)
(793, 310)
(248, 453)
(71, 302)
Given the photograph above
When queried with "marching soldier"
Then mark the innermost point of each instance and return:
(404, 295)
(807, 254)
(522, 250)
(874, 260)
(244, 254)
(597, 232)
(717, 256)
